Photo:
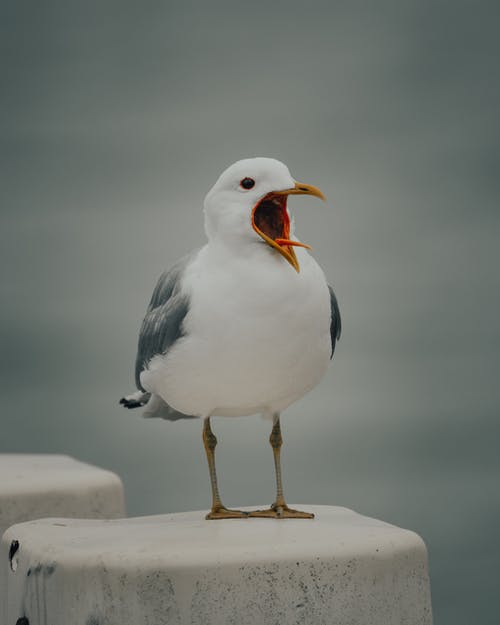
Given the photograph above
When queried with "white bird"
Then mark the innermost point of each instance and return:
(245, 325)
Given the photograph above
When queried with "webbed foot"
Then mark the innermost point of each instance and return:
(280, 511)
(226, 513)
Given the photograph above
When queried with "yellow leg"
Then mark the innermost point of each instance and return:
(279, 509)
(218, 511)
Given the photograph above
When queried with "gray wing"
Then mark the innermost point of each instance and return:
(335, 323)
(162, 325)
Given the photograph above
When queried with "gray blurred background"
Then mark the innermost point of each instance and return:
(117, 117)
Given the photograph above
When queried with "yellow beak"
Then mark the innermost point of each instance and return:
(302, 189)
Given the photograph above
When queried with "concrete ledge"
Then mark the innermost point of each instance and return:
(33, 486)
(179, 569)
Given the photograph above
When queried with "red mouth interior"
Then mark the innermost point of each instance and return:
(271, 218)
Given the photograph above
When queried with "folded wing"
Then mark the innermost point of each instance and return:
(335, 323)
(163, 323)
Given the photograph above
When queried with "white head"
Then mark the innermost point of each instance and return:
(247, 204)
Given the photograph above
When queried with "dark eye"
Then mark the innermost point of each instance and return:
(247, 183)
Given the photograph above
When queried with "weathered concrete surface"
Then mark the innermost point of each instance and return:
(33, 486)
(341, 568)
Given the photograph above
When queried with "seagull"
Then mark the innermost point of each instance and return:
(245, 325)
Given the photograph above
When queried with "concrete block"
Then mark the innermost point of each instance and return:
(340, 568)
(34, 486)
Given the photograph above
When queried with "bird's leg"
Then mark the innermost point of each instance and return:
(279, 509)
(218, 511)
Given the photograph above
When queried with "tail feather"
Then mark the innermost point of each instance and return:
(157, 408)
(154, 406)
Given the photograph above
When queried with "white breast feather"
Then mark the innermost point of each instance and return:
(257, 335)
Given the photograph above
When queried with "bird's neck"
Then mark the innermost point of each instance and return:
(232, 238)
(227, 250)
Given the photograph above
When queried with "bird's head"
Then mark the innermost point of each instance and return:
(248, 203)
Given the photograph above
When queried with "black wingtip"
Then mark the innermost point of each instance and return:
(130, 403)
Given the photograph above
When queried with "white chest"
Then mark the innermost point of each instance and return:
(257, 336)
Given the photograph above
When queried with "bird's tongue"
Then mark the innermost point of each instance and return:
(288, 242)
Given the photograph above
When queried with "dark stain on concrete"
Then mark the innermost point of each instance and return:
(48, 569)
(45, 569)
(14, 547)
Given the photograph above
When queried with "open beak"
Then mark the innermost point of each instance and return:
(271, 221)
